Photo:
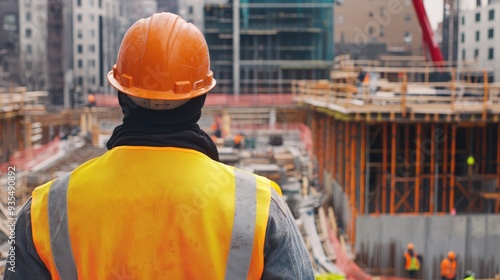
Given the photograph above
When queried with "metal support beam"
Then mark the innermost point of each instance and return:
(393, 167)
(347, 157)
(362, 183)
(341, 159)
(334, 148)
(445, 168)
(452, 165)
(484, 155)
(418, 167)
(354, 161)
(432, 169)
(384, 168)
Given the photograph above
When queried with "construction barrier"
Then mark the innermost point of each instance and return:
(28, 158)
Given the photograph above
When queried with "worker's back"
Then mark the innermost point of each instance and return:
(152, 216)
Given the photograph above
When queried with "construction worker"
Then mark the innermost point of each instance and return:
(159, 204)
(449, 267)
(412, 261)
(470, 164)
(469, 275)
(238, 140)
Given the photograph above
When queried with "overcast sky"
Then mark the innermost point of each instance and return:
(434, 10)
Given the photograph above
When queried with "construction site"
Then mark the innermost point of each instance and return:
(370, 155)
(365, 168)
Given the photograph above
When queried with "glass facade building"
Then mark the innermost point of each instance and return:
(275, 42)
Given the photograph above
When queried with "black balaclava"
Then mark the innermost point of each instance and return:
(163, 128)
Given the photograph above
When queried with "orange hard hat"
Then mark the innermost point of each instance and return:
(451, 255)
(410, 246)
(162, 58)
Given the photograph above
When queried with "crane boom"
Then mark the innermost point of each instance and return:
(429, 40)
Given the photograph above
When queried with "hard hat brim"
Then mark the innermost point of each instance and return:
(159, 95)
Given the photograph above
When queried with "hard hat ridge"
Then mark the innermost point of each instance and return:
(162, 60)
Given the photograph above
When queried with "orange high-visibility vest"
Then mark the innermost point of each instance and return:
(412, 263)
(152, 213)
(448, 268)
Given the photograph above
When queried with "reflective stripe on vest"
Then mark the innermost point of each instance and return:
(59, 234)
(242, 236)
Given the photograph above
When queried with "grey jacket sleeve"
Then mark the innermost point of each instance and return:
(285, 253)
(25, 264)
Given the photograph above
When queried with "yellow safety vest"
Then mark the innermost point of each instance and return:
(152, 213)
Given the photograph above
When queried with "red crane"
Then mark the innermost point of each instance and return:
(429, 39)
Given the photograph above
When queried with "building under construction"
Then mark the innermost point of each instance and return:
(259, 47)
(393, 157)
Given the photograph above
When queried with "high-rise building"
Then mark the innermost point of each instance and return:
(367, 29)
(33, 43)
(9, 44)
(450, 29)
(97, 33)
(171, 6)
(479, 43)
(68, 46)
(261, 46)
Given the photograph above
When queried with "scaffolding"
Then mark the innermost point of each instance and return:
(400, 144)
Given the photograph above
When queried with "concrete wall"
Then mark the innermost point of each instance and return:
(381, 241)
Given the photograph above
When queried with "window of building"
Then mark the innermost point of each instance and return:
(28, 16)
(80, 81)
(463, 20)
(491, 33)
(371, 30)
(463, 37)
(491, 53)
(370, 14)
(29, 65)
(10, 22)
(91, 63)
(190, 10)
(91, 3)
(478, 17)
(27, 33)
(92, 80)
(91, 17)
(491, 15)
(382, 31)
(477, 36)
(80, 63)
(408, 38)
(27, 3)
(92, 33)
(29, 49)
(408, 17)
(476, 53)
(463, 54)
(382, 11)
(79, 34)
(91, 48)
(79, 48)
(79, 18)
(100, 3)
(340, 19)
(79, 3)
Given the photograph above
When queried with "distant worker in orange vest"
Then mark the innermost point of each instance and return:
(91, 100)
(158, 204)
(238, 140)
(449, 267)
(412, 261)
